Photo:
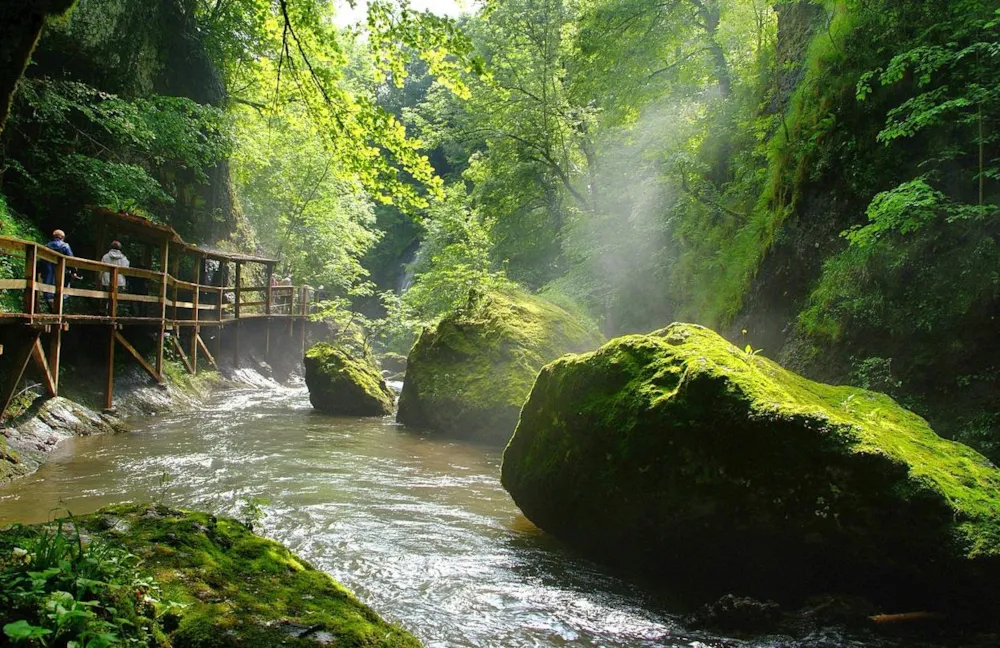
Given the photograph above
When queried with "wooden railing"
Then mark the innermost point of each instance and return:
(148, 296)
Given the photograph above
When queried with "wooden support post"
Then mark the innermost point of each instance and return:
(304, 322)
(135, 354)
(17, 372)
(239, 288)
(267, 338)
(43, 366)
(204, 349)
(180, 352)
(30, 274)
(222, 295)
(110, 391)
(194, 314)
(55, 353)
(165, 255)
(270, 290)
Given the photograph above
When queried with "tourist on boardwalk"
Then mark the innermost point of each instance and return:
(57, 244)
(114, 256)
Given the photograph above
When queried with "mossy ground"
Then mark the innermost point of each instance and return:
(342, 384)
(469, 375)
(239, 589)
(678, 448)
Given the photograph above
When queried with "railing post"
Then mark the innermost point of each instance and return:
(30, 272)
(239, 284)
(221, 295)
(113, 311)
(60, 285)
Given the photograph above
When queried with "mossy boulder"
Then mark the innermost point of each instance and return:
(680, 454)
(237, 588)
(469, 375)
(341, 384)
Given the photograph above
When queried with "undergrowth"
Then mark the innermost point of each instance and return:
(58, 588)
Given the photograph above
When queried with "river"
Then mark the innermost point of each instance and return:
(418, 528)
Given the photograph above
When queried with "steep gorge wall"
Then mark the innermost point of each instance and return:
(137, 50)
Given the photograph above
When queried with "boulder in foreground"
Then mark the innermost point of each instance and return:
(469, 375)
(344, 385)
(678, 453)
(233, 588)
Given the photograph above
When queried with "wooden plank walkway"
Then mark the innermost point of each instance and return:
(158, 300)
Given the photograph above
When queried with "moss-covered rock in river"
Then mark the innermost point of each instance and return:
(679, 453)
(341, 384)
(236, 588)
(469, 375)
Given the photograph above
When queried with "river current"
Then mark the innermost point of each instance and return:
(419, 528)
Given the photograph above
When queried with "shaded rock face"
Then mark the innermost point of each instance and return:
(678, 453)
(468, 376)
(341, 384)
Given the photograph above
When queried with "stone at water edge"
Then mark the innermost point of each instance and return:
(677, 452)
(341, 384)
(468, 376)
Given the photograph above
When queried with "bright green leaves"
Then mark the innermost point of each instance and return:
(24, 631)
(396, 33)
(111, 151)
(905, 209)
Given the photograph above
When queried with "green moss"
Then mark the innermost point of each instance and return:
(239, 589)
(11, 465)
(470, 374)
(342, 384)
(678, 447)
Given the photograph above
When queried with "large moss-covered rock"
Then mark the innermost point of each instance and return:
(341, 384)
(236, 588)
(469, 375)
(681, 453)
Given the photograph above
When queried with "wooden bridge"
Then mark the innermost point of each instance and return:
(222, 290)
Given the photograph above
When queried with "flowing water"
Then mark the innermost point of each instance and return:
(418, 528)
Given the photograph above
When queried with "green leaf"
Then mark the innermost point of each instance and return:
(20, 630)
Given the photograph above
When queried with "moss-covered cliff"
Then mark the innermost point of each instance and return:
(677, 452)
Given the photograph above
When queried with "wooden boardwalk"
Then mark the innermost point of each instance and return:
(220, 295)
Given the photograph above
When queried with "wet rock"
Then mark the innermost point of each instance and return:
(678, 453)
(341, 384)
(469, 375)
(42, 428)
(738, 614)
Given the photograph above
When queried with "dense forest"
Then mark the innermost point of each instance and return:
(818, 180)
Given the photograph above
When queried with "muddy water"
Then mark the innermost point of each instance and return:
(419, 528)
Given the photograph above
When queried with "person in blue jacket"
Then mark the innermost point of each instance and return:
(57, 244)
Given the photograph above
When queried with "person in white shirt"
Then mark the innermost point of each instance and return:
(115, 256)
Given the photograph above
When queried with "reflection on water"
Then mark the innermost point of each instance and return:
(419, 528)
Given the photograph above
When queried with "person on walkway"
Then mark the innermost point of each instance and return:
(114, 256)
(57, 244)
